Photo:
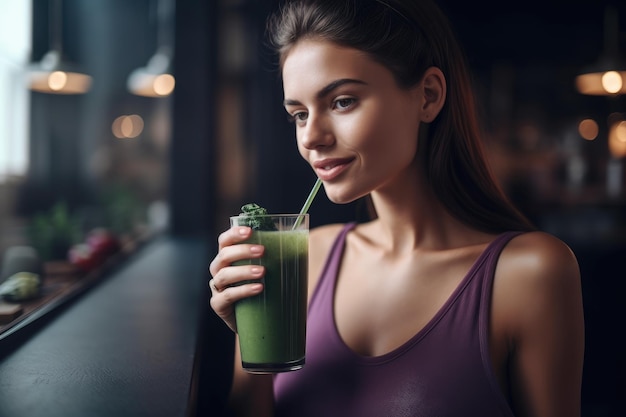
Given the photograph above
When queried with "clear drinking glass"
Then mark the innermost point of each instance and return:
(272, 325)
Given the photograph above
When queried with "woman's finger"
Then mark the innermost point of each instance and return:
(229, 254)
(233, 235)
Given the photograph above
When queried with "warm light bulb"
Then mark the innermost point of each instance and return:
(163, 84)
(612, 82)
(57, 80)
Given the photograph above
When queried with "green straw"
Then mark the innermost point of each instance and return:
(307, 203)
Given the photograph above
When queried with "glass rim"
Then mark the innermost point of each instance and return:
(269, 215)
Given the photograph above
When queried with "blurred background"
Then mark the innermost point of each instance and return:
(166, 116)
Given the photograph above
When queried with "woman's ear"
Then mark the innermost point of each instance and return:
(432, 91)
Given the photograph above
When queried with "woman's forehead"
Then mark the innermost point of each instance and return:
(309, 59)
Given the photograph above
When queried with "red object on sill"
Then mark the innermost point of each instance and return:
(83, 256)
(103, 243)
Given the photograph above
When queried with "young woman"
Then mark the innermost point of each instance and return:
(447, 303)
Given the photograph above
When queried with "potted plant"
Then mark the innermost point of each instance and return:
(52, 234)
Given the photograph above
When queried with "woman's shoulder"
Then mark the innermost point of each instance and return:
(539, 254)
(538, 321)
(537, 275)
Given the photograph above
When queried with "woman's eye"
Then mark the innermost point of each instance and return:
(343, 103)
(300, 116)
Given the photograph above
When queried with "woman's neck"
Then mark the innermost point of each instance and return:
(410, 217)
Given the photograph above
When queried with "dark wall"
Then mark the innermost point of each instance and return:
(192, 155)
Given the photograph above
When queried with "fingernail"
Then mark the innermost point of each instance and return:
(255, 270)
(256, 249)
(243, 231)
(256, 288)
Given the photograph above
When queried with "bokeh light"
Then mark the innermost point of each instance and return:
(617, 139)
(57, 80)
(127, 126)
(612, 82)
(588, 129)
(164, 84)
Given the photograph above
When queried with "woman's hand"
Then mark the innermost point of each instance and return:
(223, 291)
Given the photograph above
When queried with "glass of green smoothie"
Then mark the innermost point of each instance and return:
(272, 325)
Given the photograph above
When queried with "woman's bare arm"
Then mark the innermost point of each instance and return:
(538, 295)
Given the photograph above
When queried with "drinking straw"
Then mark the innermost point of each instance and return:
(307, 203)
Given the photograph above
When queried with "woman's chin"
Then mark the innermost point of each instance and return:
(338, 197)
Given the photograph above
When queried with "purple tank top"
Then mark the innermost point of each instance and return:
(444, 370)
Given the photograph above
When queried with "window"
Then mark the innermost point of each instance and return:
(15, 40)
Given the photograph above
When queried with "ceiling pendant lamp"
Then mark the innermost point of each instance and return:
(608, 76)
(156, 79)
(54, 74)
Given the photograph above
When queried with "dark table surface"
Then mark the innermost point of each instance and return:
(126, 347)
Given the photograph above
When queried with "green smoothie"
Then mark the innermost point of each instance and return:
(272, 325)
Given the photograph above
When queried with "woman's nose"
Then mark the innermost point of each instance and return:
(316, 133)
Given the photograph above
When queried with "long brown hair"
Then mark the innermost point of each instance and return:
(409, 36)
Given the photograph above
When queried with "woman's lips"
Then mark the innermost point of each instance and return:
(327, 169)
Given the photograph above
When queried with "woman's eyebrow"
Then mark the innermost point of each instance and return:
(327, 90)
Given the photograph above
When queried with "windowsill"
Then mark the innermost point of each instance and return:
(61, 282)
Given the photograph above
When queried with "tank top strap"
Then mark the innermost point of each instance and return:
(489, 268)
(496, 246)
(490, 261)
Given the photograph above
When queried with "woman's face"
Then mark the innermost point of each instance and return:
(356, 128)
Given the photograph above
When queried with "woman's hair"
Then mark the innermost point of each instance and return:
(408, 37)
